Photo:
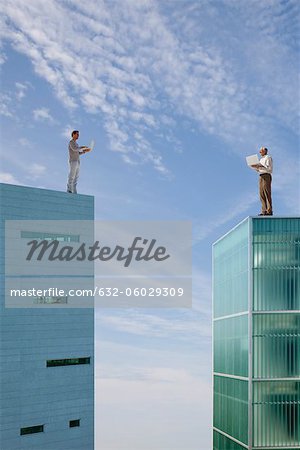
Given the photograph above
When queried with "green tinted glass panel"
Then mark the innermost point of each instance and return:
(276, 345)
(276, 413)
(230, 261)
(223, 443)
(231, 407)
(231, 345)
(276, 264)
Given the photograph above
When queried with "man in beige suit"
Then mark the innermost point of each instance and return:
(265, 169)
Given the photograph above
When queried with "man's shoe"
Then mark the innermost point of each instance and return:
(262, 214)
(70, 192)
(269, 214)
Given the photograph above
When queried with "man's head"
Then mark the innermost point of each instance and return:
(75, 134)
(263, 151)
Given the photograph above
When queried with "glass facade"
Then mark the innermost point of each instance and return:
(230, 260)
(230, 293)
(257, 335)
(276, 412)
(276, 332)
(276, 264)
(231, 407)
(222, 442)
(231, 345)
(276, 345)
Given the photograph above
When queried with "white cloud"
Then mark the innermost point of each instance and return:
(36, 170)
(139, 68)
(148, 374)
(105, 75)
(66, 132)
(6, 108)
(203, 228)
(21, 89)
(286, 181)
(6, 177)
(2, 58)
(24, 142)
(43, 114)
(150, 325)
(185, 325)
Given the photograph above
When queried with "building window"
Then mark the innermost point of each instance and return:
(74, 423)
(50, 236)
(32, 430)
(67, 362)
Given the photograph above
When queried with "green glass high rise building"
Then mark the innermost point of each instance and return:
(256, 335)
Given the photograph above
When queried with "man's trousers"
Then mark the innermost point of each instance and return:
(73, 176)
(265, 181)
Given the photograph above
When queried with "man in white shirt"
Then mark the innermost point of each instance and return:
(265, 169)
(74, 161)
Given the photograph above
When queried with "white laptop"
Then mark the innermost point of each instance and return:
(92, 144)
(252, 160)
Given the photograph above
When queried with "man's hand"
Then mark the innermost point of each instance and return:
(257, 167)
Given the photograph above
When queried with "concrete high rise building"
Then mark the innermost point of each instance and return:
(256, 321)
(46, 355)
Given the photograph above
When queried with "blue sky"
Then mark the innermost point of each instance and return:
(175, 95)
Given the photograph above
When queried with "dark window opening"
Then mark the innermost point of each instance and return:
(31, 430)
(68, 362)
(74, 423)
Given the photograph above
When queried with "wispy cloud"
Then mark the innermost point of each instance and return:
(2, 58)
(6, 108)
(43, 114)
(8, 99)
(66, 132)
(21, 89)
(143, 66)
(24, 142)
(242, 204)
(148, 374)
(181, 327)
(190, 325)
(287, 181)
(36, 170)
(6, 177)
(14, 160)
